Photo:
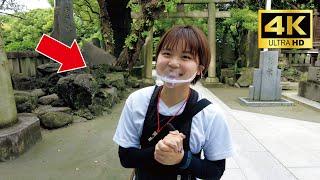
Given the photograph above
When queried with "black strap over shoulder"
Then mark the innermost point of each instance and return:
(199, 106)
(181, 122)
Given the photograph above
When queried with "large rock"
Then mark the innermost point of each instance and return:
(77, 90)
(23, 82)
(229, 81)
(116, 79)
(49, 68)
(45, 100)
(147, 82)
(38, 92)
(18, 138)
(227, 72)
(47, 108)
(55, 119)
(133, 82)
(246, 77)
(107, 97)
(25, 101)
(85, 113)
(96, 56)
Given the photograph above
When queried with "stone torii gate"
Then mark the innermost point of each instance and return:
(211, 13)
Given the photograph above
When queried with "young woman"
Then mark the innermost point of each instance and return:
(163, 129)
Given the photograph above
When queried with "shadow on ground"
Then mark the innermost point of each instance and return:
(80, 151)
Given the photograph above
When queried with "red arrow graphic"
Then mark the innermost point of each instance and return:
(70, 58)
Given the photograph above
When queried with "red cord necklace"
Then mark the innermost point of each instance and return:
(170, 119)
(155, 133)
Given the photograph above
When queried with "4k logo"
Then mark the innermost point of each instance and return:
(285, 29)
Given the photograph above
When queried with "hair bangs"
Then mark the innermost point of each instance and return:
(181, 38)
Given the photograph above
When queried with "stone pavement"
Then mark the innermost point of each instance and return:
(270, 147)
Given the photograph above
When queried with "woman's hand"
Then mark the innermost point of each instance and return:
(166, 155)
(169, 151)
(174, 140)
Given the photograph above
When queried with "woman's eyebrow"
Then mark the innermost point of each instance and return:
(187, 52)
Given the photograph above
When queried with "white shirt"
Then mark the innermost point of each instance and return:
(209, 130)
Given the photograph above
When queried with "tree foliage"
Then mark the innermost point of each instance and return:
(238, 25)
(86, 17)
(23, 34)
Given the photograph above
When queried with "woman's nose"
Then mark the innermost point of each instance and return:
(174, 62)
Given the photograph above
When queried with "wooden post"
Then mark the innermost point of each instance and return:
(24, 66)
(212, 79)
(10, 66)
(148, 57)
(33, 67)
(16, 66)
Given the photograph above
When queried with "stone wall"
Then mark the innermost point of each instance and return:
(311, 88)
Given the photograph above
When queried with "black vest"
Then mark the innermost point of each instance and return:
(182, 123)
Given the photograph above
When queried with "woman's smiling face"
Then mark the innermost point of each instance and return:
(183, 53)
(177, 62)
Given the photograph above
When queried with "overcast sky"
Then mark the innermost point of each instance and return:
(33, 4)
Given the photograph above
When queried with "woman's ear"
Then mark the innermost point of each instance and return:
(200, 70)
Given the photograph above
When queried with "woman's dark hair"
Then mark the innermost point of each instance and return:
(192, 39)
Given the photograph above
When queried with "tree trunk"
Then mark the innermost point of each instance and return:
(106, 29)
(150, 11)
(8, 111)
(120, 19)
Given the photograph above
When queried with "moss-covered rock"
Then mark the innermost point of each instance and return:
(45, 100)
(133, 82)
(53, 120)
(38, 92)
(85, 113)
(97, 110)
(48, 108)
(25, 101)
(23, 82)
(77, 90)
(116, 79)
(106, 97)
(246, 77)
(292, 74)
(147, 82)
(48, 68)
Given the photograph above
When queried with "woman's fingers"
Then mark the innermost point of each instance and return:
(174, 141)
(172, 144)
(176, 132)
(163, 147)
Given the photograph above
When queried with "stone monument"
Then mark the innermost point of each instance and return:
(310, 89)
(96, 56)
(18, 132)
(64, 28)
(266, 88)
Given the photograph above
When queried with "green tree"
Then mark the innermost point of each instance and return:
(24, 34)
(238, 25)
